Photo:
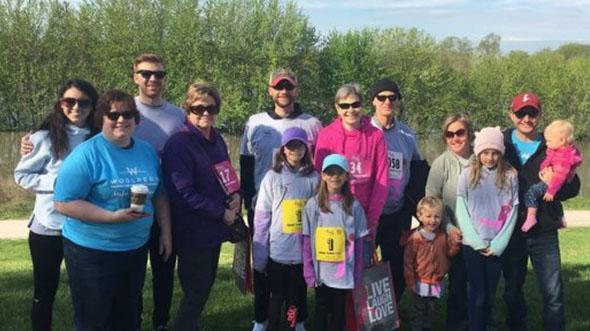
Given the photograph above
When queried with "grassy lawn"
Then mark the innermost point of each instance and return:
(227, 309)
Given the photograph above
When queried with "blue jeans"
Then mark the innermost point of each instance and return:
(105, 286)
(483, 274)
(543, 251)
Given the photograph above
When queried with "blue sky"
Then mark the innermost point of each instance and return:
(523, 24)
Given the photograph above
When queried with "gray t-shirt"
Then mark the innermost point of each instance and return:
(157, 124)
(340, 273)
(262, 137)
(402, 148)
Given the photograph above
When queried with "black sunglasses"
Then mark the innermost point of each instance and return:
(355, 105)
(532, 112)
(334, 171)
(284, 85)
(114, 115)
(200, 109)
(146, 74)
(459, 133)
(391, 98)
(294, 144)
(71, 102)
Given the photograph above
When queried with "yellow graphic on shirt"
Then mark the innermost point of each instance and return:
(330, 244)
(292, 215)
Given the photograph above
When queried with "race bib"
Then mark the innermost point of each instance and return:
(227, 177)
(396, 164)
(359, 169)
(292, 215)
(330, 244)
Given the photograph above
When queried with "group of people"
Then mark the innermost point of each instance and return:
(320, 201)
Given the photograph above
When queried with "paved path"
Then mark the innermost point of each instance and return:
(17, 229)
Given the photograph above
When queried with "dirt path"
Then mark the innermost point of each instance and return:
(17, 229)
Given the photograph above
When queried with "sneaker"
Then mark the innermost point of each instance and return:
(260, 326)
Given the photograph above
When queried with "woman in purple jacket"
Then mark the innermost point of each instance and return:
(198, 177)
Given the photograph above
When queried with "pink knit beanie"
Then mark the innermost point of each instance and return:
(489, 138)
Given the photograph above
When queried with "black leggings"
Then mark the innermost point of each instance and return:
(47, 254)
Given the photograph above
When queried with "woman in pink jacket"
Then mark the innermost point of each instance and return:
(352, 135)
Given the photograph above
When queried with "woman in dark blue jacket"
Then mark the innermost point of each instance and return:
(199, 177)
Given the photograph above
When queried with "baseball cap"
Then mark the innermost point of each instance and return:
(526, 99)
(337, 160)
(294, 133)
(283, 74)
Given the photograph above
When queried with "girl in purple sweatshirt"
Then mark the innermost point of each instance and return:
(334, 225)
(284, 190)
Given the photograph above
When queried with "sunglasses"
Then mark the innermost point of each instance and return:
(115, 115)
(391, 98)
(71, 102)
(146, 74)
(200, 109)
(284, 85)
(531, 112)
(355, 105)
(294, 144)
(459, 133)
(334, 171)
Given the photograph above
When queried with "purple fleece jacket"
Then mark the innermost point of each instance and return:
(197, 201)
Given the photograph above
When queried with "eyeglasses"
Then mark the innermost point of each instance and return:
(115, 115)
(459, 133)
(200, 109)
(284, 85)
(146, 74)
(391, 98)
(531, 112)
(71, 102)
(355, 105)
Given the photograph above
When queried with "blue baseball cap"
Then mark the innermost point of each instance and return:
(337, 160)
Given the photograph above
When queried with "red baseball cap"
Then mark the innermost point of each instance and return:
(281, 77)
(526, 99)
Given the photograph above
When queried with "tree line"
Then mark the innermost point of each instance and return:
(236, 43)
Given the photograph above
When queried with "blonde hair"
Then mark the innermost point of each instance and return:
(430, 202)
(199, 91)
(504, 169)
(563, 128)
(462, 118)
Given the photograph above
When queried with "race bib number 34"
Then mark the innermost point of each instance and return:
(330, 244)
(292, 215)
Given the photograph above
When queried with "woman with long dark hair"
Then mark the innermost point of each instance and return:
(64, 128)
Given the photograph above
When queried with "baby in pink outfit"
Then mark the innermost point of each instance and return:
(563, 157)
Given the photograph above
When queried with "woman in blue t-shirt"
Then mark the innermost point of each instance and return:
(104, 238)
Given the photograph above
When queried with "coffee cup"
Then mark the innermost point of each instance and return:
(139, 194)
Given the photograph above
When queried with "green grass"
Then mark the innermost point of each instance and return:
(227, 309)
(577, 203)
(16, 210)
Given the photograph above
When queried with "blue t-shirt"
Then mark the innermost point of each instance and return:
(102, 173)
(525, 149)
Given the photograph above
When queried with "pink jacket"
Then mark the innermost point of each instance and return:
(365, 150)
(564, 162)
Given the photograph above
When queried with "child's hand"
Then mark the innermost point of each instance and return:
(456, 236)
(546, 175)
(486, 252)
(548, 197)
